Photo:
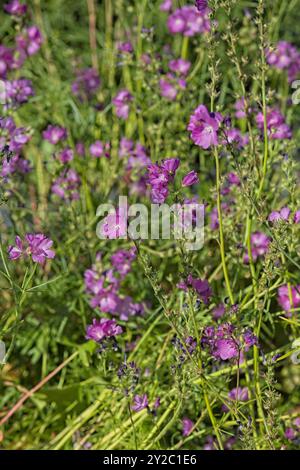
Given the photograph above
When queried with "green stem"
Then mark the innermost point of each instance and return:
(221, 231)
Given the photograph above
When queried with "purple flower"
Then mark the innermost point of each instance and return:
(297, 217)
(127, 308)
(201, 5)
(121, 260)
(80, 149)
(233, 179)
(210, 443)
(66, 155)
(38, 246)
(159, 194)
(259, 246)
(18, 138)
(140, 402)
(30, 40)
(286, 297)
(180, 66)
(283, 214)
(67, 185)
(204, 126)
(240, 108)
(239, 394)
(102, 329)
(190, 179)
(121, 102)
(214, 216)
(249, 339)
(15, 8)
(189, 21)
(156, 403)
(187, 426)
(114, 225)
(170, 165)
(290, 434)
(167, 89)
(235, 137)
(15, 252)
(15, 164)
(218, 311)
(159, 176)
(86, 84)
(226, 349)
(226, 342)
(98, 149)
(166, 5)
(125, 47)
(202, 288)
(54, 134)
(6, 60)
(276, 125)
(17, 92)
(285, 57)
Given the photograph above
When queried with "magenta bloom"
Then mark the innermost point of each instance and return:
(121, 260)
(140, 402)
(201, 5)
(202, 288)
(167, 89)
(38, 246)
(159, 176)
(30, 40)
(6, 60)
(239, 394)
(121, 102)
(187, 426)
(190, 179)
(226, 349)
(15, 252)
(80, 149)
(67, 185)
(283, 214)
(285, 57)
(54, 134)
(225, 343)
(233, 179)
(189, 21)
(277, 127)
(240, 108)
(166, 5)
(86, 84)
(235, 137)
(15, 8)
(98, 149)
(114, 225)
(180, 66)
(290, 434)
(170, 165)
(218, 311)
(18, 92)
(204, 126)
(284, 297)
(259, 246)
(15, 164)
(297, 217)
(125, 47)
(102, 329)
(66, 155)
